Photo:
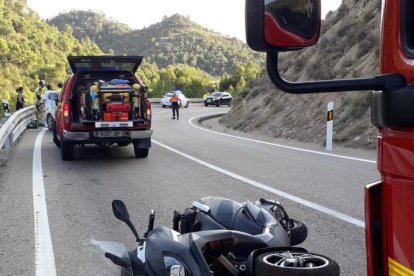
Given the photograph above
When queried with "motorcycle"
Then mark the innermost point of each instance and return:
(165, 251)
(265, 219)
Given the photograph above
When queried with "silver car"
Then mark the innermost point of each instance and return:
(165, 102)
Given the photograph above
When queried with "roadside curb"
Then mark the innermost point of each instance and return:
(209, 116)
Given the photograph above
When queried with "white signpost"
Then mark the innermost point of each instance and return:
(329, 126)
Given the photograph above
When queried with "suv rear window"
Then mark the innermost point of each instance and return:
(104, 66)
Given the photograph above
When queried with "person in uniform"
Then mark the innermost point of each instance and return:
(39, 101)
(175, 105)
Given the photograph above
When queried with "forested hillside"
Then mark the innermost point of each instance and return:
(92, 25)
(174, 40)
(348, 48)
(31, 50)
(178, 53)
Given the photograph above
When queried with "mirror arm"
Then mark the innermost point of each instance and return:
(134, 231)
(387, 82)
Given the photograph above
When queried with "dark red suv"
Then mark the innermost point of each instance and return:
(103, 102)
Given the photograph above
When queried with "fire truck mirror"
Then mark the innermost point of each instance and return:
(282, 25)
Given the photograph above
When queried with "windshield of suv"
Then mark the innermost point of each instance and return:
(216, 94)
(168, 95)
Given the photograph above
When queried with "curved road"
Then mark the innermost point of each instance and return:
(186, 162)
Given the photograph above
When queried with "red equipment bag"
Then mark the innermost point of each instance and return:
(118, 107)
(116, 116)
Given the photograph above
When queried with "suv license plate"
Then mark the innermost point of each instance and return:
(105, 134)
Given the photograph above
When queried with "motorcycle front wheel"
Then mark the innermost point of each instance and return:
(291, 263)
(298, 232)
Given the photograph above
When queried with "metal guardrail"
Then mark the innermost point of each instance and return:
(15, 125)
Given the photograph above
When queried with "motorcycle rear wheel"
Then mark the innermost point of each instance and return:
(291, 263)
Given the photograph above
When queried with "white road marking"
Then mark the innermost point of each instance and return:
(44, 256)
(317, 207)
(276, 145)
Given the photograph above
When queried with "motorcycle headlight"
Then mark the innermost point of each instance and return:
(174, 267)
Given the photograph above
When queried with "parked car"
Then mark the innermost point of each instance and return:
(50, 107)
(219, 98)
(166, 99)
(103, 103)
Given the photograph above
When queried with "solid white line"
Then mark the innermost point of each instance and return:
(44, 257)
(276, 145)
(262, 186)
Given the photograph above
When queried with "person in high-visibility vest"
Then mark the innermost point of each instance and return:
(206, 95)
(39, 101)
(175, 105)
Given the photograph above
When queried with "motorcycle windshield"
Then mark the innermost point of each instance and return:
(114, 252)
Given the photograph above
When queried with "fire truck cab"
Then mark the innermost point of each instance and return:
(275, 26)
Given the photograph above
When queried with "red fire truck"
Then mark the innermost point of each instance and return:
(274, 26)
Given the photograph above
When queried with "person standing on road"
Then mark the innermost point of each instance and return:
(45, 98)
(39, 101)
(175, 105)
(20, 99)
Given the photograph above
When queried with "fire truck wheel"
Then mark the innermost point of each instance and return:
(291, 263)
(298, 232)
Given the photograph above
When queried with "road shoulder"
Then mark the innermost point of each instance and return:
(212, 122)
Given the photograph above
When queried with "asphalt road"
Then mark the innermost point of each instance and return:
(185, 163)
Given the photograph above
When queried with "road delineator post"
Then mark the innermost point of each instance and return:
(329, 126)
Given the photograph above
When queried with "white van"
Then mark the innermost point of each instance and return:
(51, 100)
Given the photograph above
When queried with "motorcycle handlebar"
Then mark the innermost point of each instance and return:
(267, 201)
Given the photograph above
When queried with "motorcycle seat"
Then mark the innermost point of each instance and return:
(222, 210)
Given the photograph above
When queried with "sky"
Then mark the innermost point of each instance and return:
(223, 16)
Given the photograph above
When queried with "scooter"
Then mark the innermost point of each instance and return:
(265, 219)
(164, 251)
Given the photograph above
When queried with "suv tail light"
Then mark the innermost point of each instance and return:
(66, 113)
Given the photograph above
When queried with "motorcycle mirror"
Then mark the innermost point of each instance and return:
(120, 210)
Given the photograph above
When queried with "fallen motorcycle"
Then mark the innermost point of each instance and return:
(164, 251)
(265, 219)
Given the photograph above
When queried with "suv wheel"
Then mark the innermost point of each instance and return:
(140, 152)
(66, 150)
(55, 137)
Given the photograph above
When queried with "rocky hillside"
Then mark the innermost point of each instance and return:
(348, 48)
